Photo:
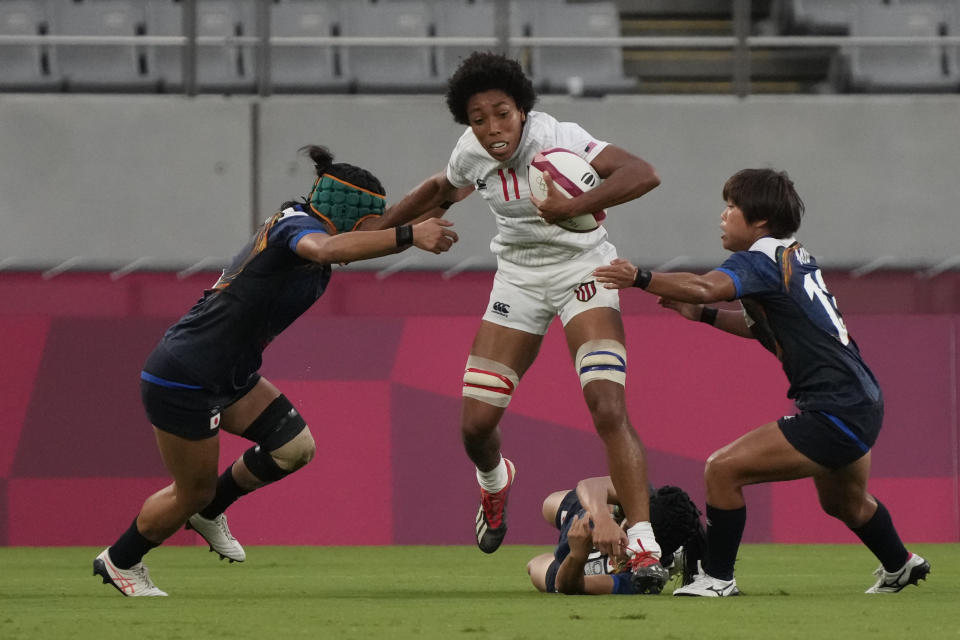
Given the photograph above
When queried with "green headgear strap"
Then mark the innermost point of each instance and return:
(343, 205)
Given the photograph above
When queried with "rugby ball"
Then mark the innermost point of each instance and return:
(572, 175)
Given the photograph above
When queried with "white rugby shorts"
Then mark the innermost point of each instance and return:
(529, 298)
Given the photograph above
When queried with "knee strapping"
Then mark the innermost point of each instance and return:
(277, 425)
(284, 443)
(489, 381)
(262, 465)
(602, 360)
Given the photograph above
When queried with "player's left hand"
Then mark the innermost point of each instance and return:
(688, 310)
(434, 234)
(579, 537)
(555, 206)
(619, 274)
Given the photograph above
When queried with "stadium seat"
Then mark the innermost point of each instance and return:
(393, 68)
(922, 67)
(304, 68)
(579, 69)
(165, 18)
(221, 68)
(953, 29)
(462, 20)
(816, 17)
(26, 67)
(101, 67)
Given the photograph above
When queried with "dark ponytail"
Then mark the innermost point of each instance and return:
(321, 156)
(322, 159)
(324, 165)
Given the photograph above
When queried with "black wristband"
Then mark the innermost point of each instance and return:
(404, 236)
(643, 279)
(709, 315)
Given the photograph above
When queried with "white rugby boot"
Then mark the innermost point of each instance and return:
(912, 571)
(218, 536)
(707, 586)
(134, 581)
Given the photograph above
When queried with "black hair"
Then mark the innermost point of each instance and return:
(765, 194)
(486, 71)
(323, 163)
(676, 523)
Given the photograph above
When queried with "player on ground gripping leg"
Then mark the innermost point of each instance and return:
(203, 375)
(788, 309)
(576, 567)
(544, 271)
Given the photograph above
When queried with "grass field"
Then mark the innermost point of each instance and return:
(790, 591)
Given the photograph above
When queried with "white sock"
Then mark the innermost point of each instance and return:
(641, 539)
(495, 479)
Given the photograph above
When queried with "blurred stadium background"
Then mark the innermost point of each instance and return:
(142, 141)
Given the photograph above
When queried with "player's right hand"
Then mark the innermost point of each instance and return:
(434, 235)
(609, 538)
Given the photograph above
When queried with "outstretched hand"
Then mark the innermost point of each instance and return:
(434, 234)
(688, 310)
(619, 274)
(556, 206)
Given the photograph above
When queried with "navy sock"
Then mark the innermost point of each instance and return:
(130, 547)
(724, 531)
(228, 491)
(882, 539)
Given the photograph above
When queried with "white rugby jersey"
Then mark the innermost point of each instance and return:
(522, 236)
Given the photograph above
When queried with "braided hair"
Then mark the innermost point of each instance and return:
(676, 523)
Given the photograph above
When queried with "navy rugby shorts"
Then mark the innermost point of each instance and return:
(175, 403)
(834, 438)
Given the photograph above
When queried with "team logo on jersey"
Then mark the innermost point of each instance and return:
(501, 309)
(215, 420)
(586, 290)
(594, 567)
(481, 184)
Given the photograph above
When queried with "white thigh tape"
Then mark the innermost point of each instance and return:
(602, 360)
(489, 381)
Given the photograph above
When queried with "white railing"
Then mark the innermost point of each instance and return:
(633, 42)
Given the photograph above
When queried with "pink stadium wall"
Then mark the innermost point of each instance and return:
(375, 367)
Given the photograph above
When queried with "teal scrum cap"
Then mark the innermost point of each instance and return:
(342, 205)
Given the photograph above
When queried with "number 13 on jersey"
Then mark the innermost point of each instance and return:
(815, 287)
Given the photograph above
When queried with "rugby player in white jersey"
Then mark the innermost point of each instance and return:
(543, 271)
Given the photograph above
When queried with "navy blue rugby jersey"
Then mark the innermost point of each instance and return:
(793, 315)
(267, 286)
(597, 564)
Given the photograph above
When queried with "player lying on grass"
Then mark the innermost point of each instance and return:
(203, 375)
(577, 567)
(788, 309)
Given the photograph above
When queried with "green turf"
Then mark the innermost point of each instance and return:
(790, 591)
